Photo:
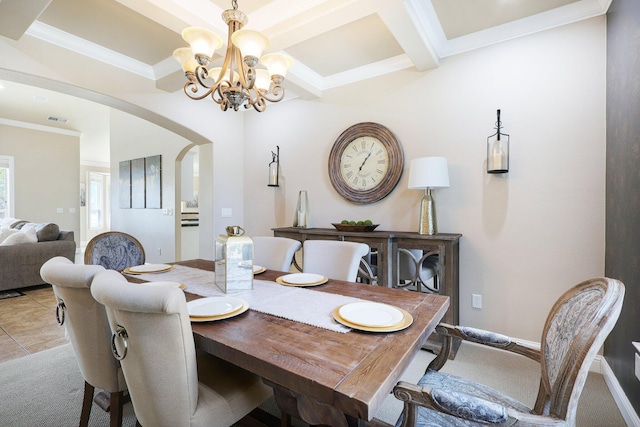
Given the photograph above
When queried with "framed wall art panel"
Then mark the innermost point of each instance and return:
(124, 178)
(153, 176)
(137, 183)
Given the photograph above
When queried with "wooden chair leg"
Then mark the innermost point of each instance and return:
(285, 419)
(117, 402)
(87, 402)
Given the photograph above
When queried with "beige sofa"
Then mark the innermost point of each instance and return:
(20, 263)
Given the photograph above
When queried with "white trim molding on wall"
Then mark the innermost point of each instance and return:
(34, 126)
(624, 405)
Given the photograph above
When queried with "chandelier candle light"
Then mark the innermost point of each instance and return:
(238, 82)
(425, 174)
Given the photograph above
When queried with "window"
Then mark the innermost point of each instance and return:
(6, 187)
(99, 187)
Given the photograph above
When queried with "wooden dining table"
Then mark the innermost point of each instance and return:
(321, 376)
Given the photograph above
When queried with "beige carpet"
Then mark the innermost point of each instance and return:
(45, 389)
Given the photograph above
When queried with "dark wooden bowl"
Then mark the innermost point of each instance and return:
(347, 227)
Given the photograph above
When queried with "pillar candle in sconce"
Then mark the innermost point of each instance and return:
(274, 168)
(498, 150)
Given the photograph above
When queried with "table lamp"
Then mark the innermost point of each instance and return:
(428, 173)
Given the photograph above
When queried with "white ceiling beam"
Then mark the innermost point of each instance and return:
(86, 48)
(572, 12)
(178, 14)
(368, 71)
(328, 16)
(410, 36)
(16, 16)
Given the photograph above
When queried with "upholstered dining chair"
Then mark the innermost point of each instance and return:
(274, 253)
(576, 328)
(169, 386)
(332, 258)
(88, 330)
(114, 250)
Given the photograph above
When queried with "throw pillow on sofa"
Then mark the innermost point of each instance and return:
(23, 236)
(11, 223)
(46, 232)
(6, 232)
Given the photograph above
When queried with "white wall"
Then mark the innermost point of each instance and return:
(46, 175)
(132, 138)
(527, 236)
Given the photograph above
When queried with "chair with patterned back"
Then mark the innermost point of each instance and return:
(88, 330)
(274, 253)
(114, 250)
(576, 328)
(169, 384)
(333, 259)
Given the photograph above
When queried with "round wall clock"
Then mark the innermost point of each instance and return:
(365, 163)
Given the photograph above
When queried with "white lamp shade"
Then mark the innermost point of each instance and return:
(201, 40)
(250, 43)
(428, 172)
(185, 57)
(277, 64)
(262, 80)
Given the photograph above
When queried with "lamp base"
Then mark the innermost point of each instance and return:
(428, 223)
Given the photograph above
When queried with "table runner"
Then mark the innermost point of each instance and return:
(298, 304)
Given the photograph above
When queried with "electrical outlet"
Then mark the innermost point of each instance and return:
(226, 213)
(476, 301)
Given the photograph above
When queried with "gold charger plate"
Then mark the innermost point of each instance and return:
(160, 270)
(301, 285)
(405, 323)
(241, 310)
(260, 270)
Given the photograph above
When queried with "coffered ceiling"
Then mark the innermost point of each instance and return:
(333, 42)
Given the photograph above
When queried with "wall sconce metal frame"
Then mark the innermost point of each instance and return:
(498, 150)
(274, 168)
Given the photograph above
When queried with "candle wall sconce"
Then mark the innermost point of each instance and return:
(274, 168)
(498, 150)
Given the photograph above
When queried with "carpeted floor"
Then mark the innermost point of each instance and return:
(45, 389)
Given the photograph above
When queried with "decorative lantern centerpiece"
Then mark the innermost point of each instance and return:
(234, 260)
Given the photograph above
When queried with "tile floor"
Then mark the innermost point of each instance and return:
(28, 323)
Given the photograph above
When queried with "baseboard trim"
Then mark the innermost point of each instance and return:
(624, 405)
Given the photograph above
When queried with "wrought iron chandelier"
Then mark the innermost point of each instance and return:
(237, 82)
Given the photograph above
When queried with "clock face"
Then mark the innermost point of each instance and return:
(366, 163)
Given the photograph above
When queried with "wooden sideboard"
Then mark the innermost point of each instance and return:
(386, 244)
